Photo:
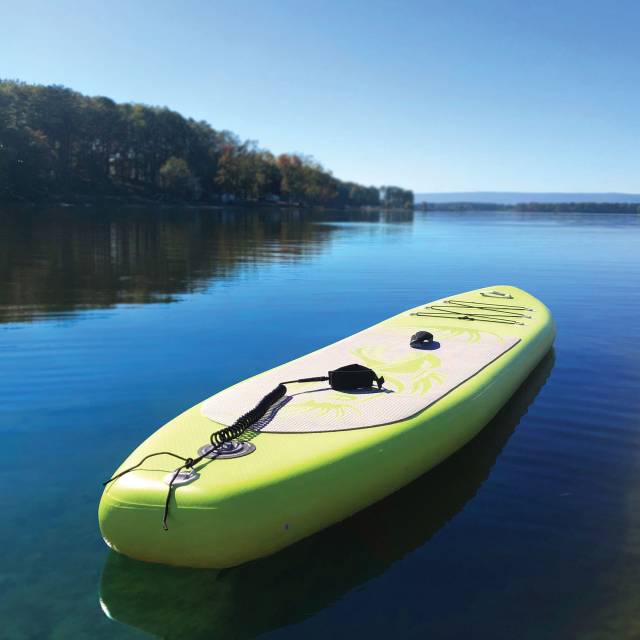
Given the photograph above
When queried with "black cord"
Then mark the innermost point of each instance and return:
(468, 310)
(218, 438)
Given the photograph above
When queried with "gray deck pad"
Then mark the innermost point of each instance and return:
(414, 379)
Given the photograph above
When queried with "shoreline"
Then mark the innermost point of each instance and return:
(139, 201)
(81, 200)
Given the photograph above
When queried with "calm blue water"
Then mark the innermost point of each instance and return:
(112, 322)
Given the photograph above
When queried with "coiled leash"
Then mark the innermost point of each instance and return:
(348, 378)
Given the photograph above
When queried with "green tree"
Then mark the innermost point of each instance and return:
(396, 198)
(292, 172)
(176, 177)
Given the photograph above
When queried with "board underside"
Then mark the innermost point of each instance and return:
(321, 455)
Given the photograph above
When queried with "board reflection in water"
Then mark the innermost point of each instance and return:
(302, 580)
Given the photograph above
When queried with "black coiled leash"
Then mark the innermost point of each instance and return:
(348, 378)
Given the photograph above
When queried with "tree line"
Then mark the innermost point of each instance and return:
(579, 207)
(534, 207)
(55, 142)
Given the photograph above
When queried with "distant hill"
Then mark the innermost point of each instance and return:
(516, 197)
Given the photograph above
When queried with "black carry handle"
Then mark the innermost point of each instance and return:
(421, 338)
(354, 376)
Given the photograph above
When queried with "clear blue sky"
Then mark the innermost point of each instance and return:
(433, 96)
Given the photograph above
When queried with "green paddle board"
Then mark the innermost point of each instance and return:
(319, 454)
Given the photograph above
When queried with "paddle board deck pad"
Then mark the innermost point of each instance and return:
(319, 454)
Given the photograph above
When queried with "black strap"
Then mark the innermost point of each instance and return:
(354, 376)
(421, 338)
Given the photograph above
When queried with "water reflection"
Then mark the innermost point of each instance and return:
(67, 259)
(305, 578)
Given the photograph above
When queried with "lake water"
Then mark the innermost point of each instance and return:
(114, 321)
